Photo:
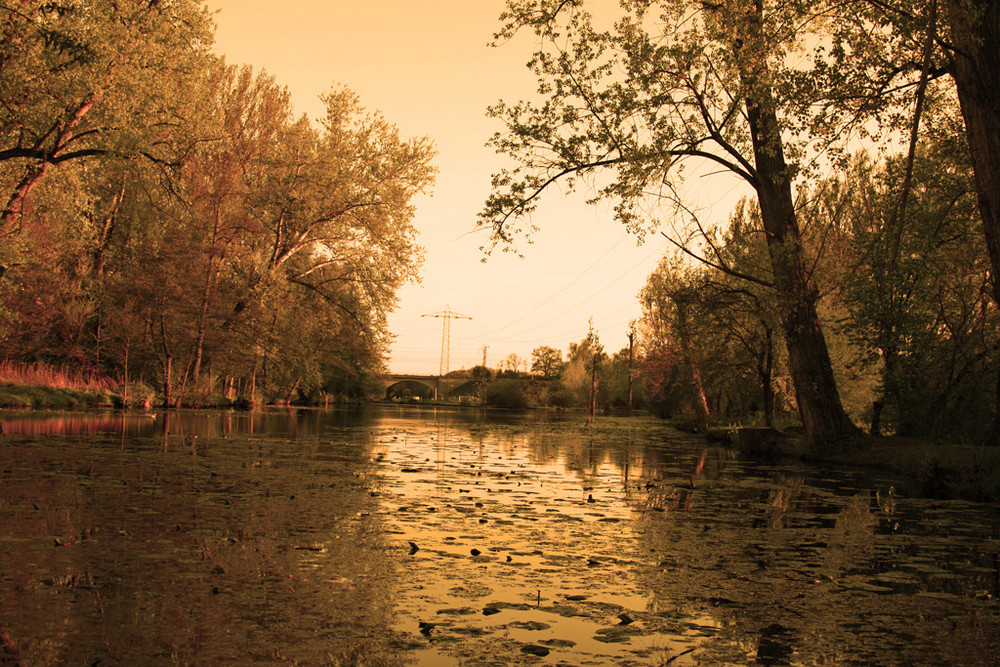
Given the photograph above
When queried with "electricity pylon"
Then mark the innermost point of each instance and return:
(447, 315)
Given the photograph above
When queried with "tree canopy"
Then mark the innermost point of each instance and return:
(168, 219)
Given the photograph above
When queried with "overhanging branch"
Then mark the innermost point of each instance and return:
(718, 267)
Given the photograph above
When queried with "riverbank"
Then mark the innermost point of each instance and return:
(934, 469)
(18, 396)
(44, 387)
(942, 470)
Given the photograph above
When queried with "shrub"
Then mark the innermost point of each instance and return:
(506, 394)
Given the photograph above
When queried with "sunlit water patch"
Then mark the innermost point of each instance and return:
(436, 537)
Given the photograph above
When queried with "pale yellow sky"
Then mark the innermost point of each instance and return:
(426, 65)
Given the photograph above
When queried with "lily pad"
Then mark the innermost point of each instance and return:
(529, 625)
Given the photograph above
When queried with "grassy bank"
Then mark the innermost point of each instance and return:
(48, 387)
(41, 386)
(54, 398)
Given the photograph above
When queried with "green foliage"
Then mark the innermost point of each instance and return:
(916, 289)
(195, 235)
(735, 88)
(708, 334)
(507, 393)
(52, 398)
(553, 395)
(630, 110)
(481, 373)
(913, 325)
(576, 376)
(614, 377)
(99, 78)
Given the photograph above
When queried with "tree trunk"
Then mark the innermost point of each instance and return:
(14, 210)
(766, 373)
(631, 361)
(202, 323)
(125, 385)
(822, 413)
(684, 335)
(211, 279)
(167, 365)
(593, 389)
(975, 34)
(876, 425)
(106, 234)
(889, 394)
(34, 172)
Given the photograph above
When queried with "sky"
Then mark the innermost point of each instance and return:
(428, 68)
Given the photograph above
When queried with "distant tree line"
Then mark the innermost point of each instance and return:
(166, 219)
(587, 377)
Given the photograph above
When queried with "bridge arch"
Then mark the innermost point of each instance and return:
(431, 388)
(441, 387)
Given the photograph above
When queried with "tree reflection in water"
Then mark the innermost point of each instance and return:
(202, 541)
(402, 536)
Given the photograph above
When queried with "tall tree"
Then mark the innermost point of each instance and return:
(577, 373)
(898, 45)
(677, 82)
(246, 117)
(597, 356)
(152, 197)
(737, 302)
(975, 66)
(546, 361)
(709, 335)
(918, 306)
(336, 205)
(333, 213)
(975, 33)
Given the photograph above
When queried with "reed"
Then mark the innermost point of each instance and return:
(44, 375)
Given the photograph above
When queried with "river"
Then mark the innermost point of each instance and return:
(420, 536)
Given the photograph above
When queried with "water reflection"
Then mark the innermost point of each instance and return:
(403, 536)
(206, 538)
(78, 424)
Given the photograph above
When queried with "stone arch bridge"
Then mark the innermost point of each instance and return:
(441, 387)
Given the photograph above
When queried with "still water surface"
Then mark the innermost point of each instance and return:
(399, 536)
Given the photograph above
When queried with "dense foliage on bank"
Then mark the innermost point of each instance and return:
(166, 217)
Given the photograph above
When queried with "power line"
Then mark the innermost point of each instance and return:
(579, 329)
(572, 282)
(585, 300)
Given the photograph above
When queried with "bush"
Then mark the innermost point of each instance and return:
(554, 396)
(506, 394)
